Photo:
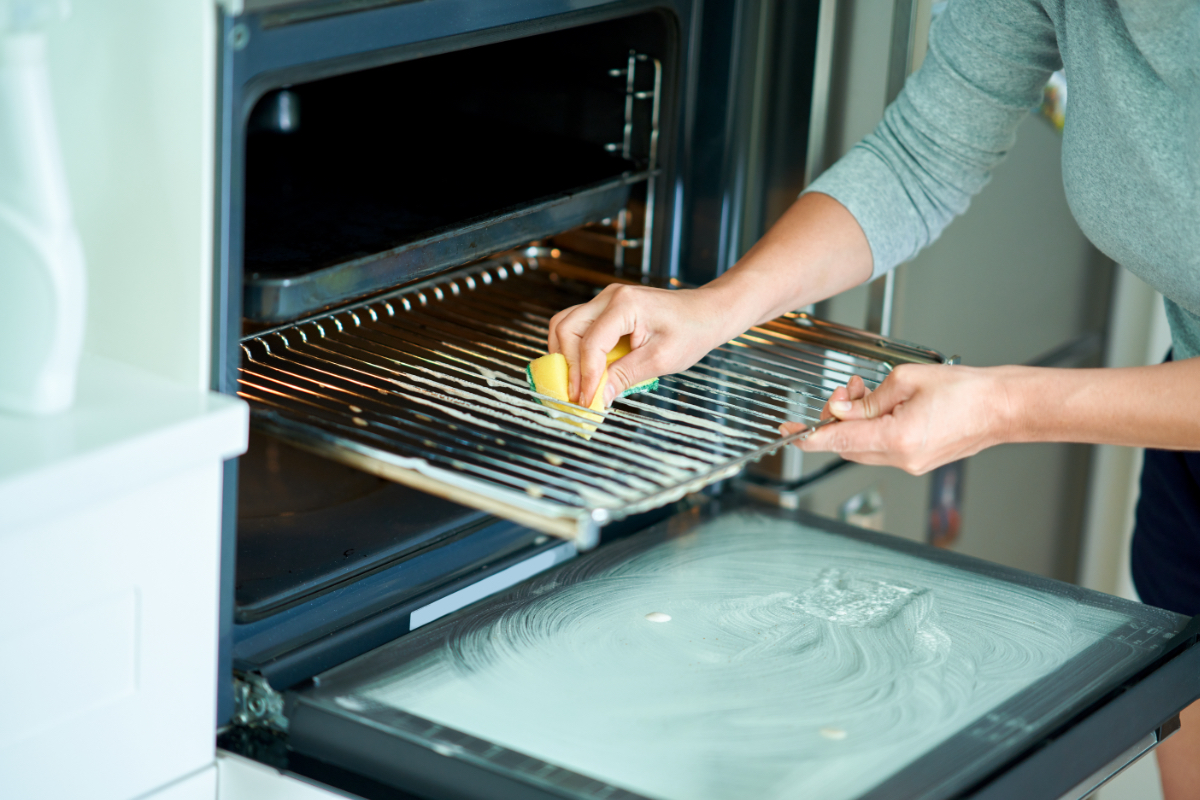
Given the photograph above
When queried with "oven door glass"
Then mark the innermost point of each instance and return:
(743, 653)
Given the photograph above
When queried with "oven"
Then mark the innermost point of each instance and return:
(417, 547)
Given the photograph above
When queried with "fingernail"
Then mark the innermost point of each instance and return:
(840, 407)
(610, 394)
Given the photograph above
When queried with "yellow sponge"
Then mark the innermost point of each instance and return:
(623, 349)
(548, 375)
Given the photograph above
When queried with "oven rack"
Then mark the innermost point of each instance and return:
(426, 386)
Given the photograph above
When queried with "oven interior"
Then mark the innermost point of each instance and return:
(363, 181)
(360, 182)
(380, 206)
(409, 229)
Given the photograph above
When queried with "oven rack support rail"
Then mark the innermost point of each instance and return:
(426, 386)
(621, 241)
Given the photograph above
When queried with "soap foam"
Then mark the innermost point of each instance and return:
(797, 664)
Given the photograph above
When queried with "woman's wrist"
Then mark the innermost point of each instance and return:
(729, 305)
(1010, 405)
(1030, 399)
(815, 250)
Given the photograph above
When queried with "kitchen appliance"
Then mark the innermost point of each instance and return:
(406, 192)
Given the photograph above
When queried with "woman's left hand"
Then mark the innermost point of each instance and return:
(920, 417)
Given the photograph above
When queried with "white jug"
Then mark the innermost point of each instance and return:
(42, 275)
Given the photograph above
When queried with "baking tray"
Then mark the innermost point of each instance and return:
(276, 293)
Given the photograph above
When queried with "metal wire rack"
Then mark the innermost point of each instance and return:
(426, 386)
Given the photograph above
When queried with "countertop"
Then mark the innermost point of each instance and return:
(127, 428)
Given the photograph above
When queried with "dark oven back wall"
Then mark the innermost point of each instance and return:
(371, 160)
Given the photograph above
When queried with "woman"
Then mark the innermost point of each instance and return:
(1131, 166)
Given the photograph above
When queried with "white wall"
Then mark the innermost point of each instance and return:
(134, 87)
(1138, 782)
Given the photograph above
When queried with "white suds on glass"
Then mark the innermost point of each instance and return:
(797, 663)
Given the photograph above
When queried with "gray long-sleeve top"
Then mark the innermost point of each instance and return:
(1131, 146)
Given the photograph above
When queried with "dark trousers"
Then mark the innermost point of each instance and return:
(1166, 536)
(1165, 557)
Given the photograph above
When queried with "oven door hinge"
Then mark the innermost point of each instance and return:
(256, 704)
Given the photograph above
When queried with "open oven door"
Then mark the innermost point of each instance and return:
(739, 650)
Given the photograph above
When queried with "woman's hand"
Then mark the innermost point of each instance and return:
(920, 417)
(669, 331)
(814, 251)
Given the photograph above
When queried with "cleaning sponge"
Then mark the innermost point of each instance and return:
(548, 375)
(622, 349)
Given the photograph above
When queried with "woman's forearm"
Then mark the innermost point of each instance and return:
(814, 251)
(1156, 406)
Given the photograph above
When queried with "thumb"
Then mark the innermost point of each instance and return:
(628, 371)
(891, 393)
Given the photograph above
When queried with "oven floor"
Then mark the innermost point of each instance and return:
(306, 524)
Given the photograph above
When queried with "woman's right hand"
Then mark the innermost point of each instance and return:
(815, 250)
(669, 331)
